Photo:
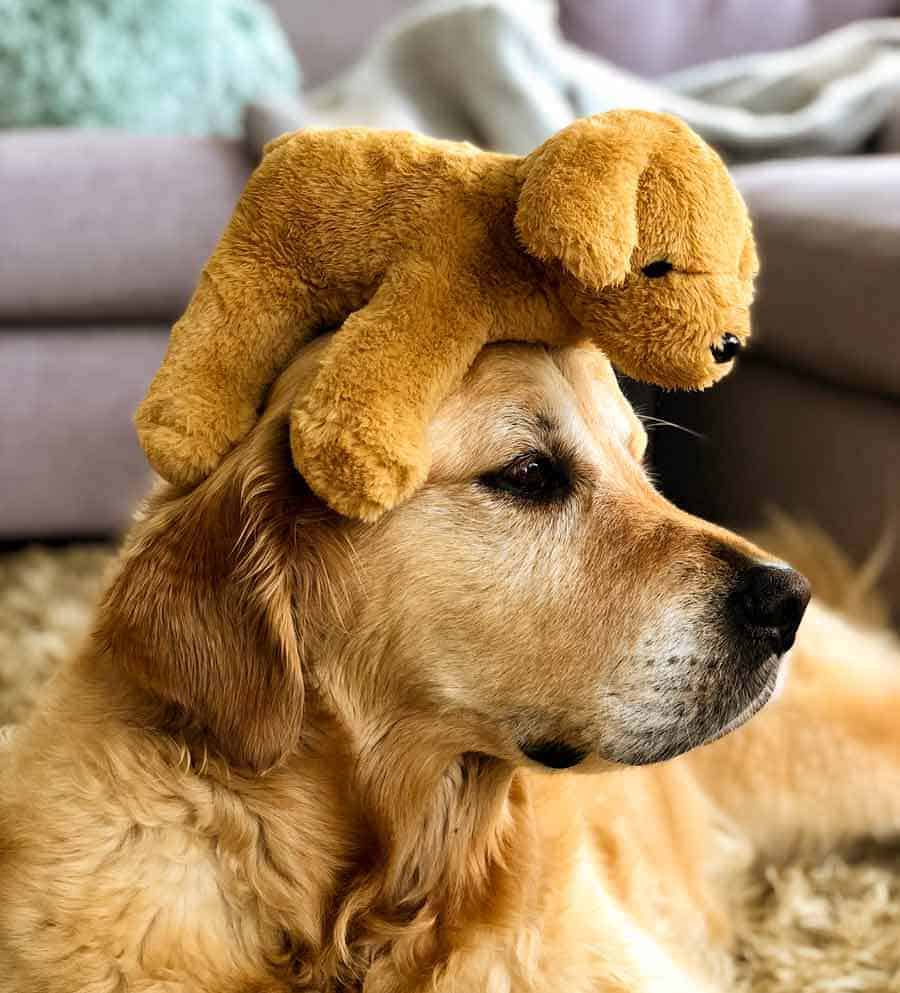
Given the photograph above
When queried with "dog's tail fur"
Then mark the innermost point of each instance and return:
(836, 579)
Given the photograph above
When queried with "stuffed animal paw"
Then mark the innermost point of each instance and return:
(362, 480)
(186, 437)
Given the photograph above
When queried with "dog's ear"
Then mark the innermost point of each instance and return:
(578, 200)
(206, 611)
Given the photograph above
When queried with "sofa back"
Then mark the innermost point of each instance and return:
(653, 37)
(661, 36)
(328, 35)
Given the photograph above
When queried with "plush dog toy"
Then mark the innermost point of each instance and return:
(623, 228)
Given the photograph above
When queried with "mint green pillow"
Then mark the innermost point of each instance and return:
(165, 66)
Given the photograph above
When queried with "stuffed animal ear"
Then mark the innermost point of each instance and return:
(578, 201)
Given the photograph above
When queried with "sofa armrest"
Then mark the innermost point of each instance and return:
(829, 239)
(106, 225)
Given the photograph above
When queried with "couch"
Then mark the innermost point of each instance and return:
(103, 235)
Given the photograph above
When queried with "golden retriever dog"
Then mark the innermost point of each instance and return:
(301, 753)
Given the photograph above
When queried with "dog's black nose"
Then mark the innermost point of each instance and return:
(769, 601)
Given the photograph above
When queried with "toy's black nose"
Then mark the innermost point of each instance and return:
(769, 602)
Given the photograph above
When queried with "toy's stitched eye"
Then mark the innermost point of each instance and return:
(534, 477)
(656, 269)
(726, 349)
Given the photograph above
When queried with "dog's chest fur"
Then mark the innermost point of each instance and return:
(175, 870)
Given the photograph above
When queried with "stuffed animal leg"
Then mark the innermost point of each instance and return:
(358, 433)
(254, 306)
(224, 352)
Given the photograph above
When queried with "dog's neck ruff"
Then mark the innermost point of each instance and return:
(439, 851)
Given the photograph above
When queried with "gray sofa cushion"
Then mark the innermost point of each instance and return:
(69, 459)
(108, 225)
(329, 35)
(660, 36)
(829, 240)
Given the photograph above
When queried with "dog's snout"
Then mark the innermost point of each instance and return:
(769, 601)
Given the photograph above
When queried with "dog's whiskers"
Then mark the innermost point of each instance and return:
(649, 421)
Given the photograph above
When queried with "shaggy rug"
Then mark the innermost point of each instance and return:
(829, 926)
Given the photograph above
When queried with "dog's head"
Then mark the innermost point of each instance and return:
(536, 600)
(652, 240)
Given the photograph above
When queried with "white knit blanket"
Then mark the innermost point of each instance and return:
(499, 73)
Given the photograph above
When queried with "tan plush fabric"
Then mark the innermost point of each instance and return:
(426, 250)
(826, 926)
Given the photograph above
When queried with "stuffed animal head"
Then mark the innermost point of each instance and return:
(650, 241)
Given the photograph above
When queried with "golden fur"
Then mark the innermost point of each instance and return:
(426, 250)
(290, 756)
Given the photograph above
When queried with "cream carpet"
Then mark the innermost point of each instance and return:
(823, 927)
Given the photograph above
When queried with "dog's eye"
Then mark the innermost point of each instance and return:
(658, 268)
(535, 477)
